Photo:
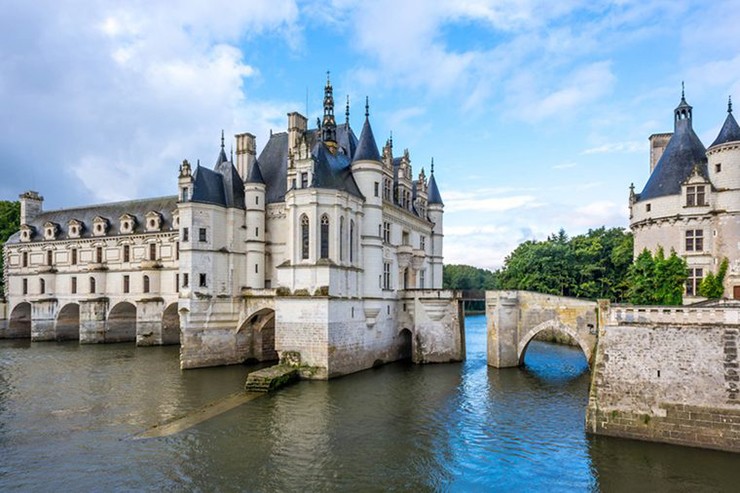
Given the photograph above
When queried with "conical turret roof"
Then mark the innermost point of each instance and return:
(367, 148)
(730, 130)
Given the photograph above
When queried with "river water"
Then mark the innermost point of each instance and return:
(69, 415)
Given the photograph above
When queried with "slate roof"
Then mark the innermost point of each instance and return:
(367, 148)
(730, 131)
(333, 171)
(433, 196)
(683, 152)
(255, 175)
(221, 186)
(273, 161)
(111, 211)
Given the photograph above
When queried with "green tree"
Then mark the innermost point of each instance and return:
(657, 280)
(712, 286)
(10, 216)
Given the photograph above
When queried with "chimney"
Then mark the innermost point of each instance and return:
(297, 125)
(246, 153)
(658, 143)
(31, 206)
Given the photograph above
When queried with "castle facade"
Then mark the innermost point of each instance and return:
(324, 247)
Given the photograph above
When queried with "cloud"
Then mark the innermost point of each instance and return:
(565, 166)
(618, 147)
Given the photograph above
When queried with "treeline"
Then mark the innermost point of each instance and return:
(593, 265)
(10, 218)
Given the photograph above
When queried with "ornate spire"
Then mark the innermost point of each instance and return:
(329, 125)
(222, 138)
(729, 104)
(683, 95)
(346, 113)
(682, 113)
(367, 107)
(432, 166)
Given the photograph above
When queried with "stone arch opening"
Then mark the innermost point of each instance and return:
(405, 346)
(556, 326)
(19, 325)
(171, 325)
(68, 323)
(255, 338)
(121, 324)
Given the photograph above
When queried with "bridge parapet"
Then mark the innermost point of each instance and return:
(672, 315)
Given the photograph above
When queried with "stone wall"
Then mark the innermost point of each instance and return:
(668, 375)
(3, 318)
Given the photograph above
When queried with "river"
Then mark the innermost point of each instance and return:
(69, 416)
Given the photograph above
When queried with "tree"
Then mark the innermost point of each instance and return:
(657, 280)
(712, 286)
(10, 216)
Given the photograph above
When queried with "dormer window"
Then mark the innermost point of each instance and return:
(100, 226)
(153, 221)
(128, 223)
(27, 232)
(695, 196)
(175, 219)
(74, 228)
(50, 231)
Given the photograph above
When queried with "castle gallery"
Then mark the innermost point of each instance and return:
(691, 202)
(323, 247)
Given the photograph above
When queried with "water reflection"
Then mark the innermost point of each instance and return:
(66, 412)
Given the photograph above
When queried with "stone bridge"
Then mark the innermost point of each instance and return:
(514, 318)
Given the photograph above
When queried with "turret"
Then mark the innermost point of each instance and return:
(329, 124)
(435, 214)
(185, 181)
(31, 206)
(254, 199)
(724, 155)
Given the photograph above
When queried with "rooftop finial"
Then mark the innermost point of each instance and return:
(328, 82)
(390, 140)
(729, 104)
(346, 113)
(432, 167)
(232, 153)
(367, 107)
(222, 138)
(683, 97)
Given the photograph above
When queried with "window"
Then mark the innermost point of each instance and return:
(304, 180)
(202, 280)
(422, 242)
(99, 255)
(25, 286)
(324, 236)
(126, 253)
(341, 238)
(257, 232)
(74, 256)
(49, 257)
(126, 284)
(256, 200)
(647, 207)
(695, 240)
(718, 167)
(696, 274)
(695, 195)
(386, 232)
(185, 194)
(42, 286)
(146, 284)
(386, 275)
(405, 238)
(92, 285)
(422, 278)
(304, 236)
(202, 235)
(177, 254)
(177, 282)
(25, 259)
(185, 280)
(377, 188)
(73, 285)
(387, 189)
(351, 241)
(152, 251)
(185, 234)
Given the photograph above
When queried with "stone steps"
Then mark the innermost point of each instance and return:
(272, 378)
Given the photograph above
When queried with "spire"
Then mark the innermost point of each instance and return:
(222, 155)
(367, 148)
(730, 131)
(329, 125)
(729, 104)
(434, 197)
(432, 166)
(367, 107)
(255, 174)
(682, 113)
(346, 113)
(683, 95)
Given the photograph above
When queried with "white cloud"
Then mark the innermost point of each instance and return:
(618, 147)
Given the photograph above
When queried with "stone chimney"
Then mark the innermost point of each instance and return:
(246, 153)
(297, 125)
(31, 206)
(658, 143)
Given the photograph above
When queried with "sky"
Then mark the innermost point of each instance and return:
(537, 113)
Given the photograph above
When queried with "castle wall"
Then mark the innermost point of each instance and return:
(668, 375)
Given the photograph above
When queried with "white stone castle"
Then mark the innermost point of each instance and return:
(691, 202)
(322, 246)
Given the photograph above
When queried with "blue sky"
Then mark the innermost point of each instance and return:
(536, 113)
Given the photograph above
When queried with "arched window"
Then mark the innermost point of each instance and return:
(92, 285)
(304, 236)
(324, 236)
(341, 238)
(42, 286)
(351, 241)
(146, 284)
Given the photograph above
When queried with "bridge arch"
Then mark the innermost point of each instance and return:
(171, 325)
(121, 323)
(68, 323)
(255, 337)
(405, 344)
(556, 325)
(19, 325)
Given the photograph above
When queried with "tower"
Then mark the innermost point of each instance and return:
(254, 200)
(436, 213)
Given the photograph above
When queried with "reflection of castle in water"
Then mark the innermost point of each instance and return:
(323, 245)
